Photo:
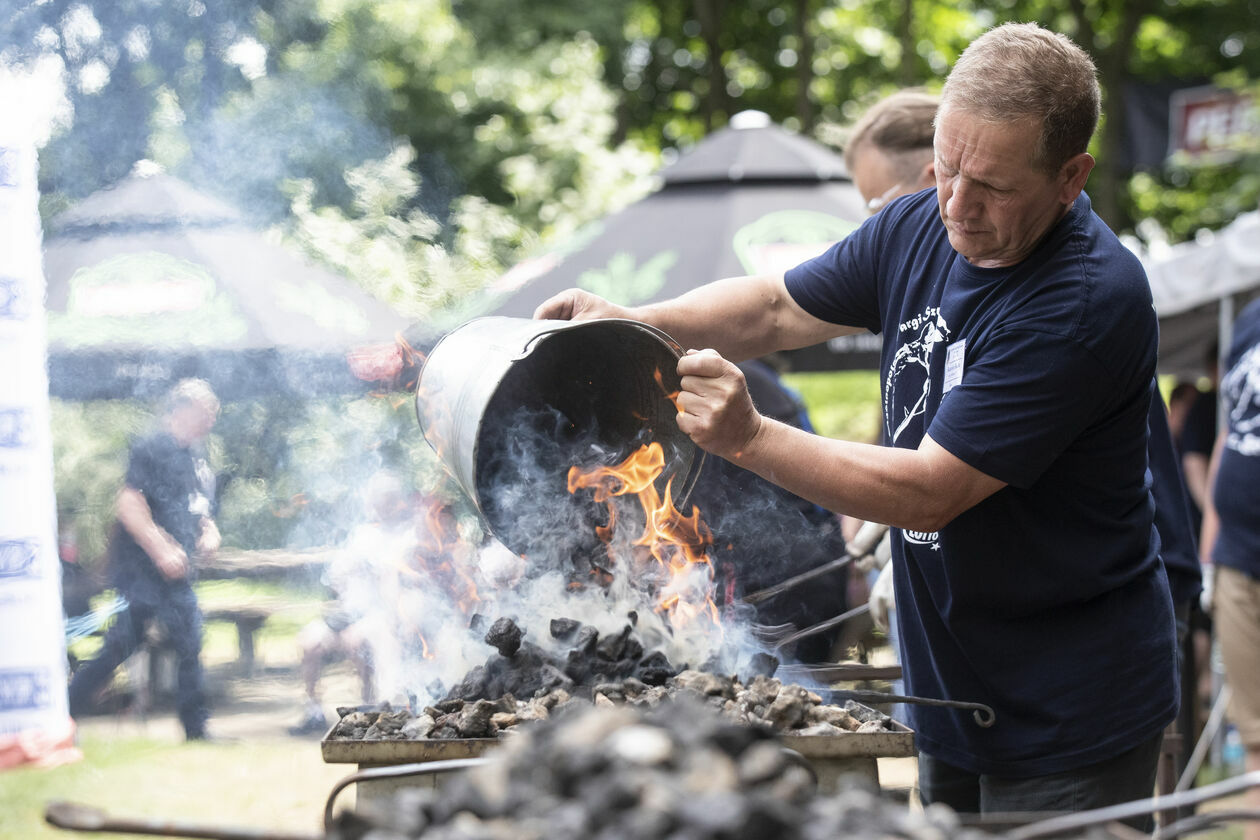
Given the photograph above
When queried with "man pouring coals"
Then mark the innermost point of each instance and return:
(1019, 348)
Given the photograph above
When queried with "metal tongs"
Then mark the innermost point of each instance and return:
(863, 545)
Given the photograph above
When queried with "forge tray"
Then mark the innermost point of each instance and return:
(831, 756)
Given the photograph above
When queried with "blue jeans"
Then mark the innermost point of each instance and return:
(179, 614)
(1127, 777)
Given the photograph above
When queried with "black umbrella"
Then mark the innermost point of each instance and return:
(151, 281)
(745, 200)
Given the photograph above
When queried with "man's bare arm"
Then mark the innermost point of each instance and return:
(740, 317)
(135, 515)
(1211, 526)
(1194, 466)
(918, 489)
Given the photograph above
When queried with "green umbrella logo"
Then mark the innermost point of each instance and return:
(780, 240)
(625, 283)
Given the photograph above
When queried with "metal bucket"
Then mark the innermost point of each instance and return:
(510, 404)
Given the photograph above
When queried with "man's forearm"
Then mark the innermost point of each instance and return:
(1194, 466)
(1210, 527)
(915, 489)
(740, 317)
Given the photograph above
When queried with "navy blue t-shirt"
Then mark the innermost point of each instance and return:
(1237, 489)
(1047, 600)
(178, 488)
(1179, 549)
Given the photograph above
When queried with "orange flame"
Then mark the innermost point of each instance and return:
(672, 396)
(676, 542)
(291, 507)
(439, 556)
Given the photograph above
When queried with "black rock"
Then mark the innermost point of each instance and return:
(472, 686)
(564, 628)
(760, 665)
(654, 669)
(611, 648)
(586, 639)
(505, 637)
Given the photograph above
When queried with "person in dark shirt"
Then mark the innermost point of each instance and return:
(163, 523)
(1018, 366)
(889, 154)
(1231, 539)
(1197, 438)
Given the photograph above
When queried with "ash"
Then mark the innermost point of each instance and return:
(524, 683)
(677, 770)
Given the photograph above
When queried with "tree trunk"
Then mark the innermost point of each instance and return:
(804, 67)
(908, 72)
(709, 15)
(1108, 185)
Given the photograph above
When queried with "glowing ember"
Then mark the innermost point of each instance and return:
(672, 396)
(678, 544)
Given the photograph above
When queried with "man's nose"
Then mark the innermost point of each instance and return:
(963, 201)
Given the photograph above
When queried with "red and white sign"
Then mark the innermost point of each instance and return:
(1211, 121)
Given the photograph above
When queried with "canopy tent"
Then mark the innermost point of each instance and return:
(751, 198)
(150, 281)
(1198, 286)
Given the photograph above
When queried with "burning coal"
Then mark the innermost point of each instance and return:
(674, 770)
(606, 670)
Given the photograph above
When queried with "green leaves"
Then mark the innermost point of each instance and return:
(625, 283)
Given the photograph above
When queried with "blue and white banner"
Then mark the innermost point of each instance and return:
(32, 632)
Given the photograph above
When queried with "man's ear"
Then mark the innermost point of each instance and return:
(1073, 175)
(927, 175)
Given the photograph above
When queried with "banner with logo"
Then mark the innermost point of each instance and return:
(33, 705)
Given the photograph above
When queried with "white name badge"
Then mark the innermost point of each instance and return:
(954, 364)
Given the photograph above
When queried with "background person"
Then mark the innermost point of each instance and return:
(1231, 539)
(1018, 362)
(364, 579)
(1198, 437)
(163, 523)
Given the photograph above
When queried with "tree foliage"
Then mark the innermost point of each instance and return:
(422, 147)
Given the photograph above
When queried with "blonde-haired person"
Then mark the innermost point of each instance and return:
(164, 523)
(889, 150)
(1019, 353)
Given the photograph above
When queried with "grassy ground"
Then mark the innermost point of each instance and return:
(270, 783)
(842, 404)
(141, 767)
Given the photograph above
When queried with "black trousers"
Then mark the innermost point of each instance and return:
(1127, 777)
(179, 614)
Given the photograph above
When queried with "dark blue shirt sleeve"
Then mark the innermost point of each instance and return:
(143, 469)
(839, 285)
(1199, 434)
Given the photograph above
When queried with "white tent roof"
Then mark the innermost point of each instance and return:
(1214, 267)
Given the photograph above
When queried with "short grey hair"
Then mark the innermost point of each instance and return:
(900, 127)
(1020, 70)
(192, 390)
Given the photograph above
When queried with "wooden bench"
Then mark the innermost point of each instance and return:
(280, 565)
(248, 620)
(156, 673)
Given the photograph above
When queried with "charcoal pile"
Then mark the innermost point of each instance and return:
(677, 770)
(524, 682)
